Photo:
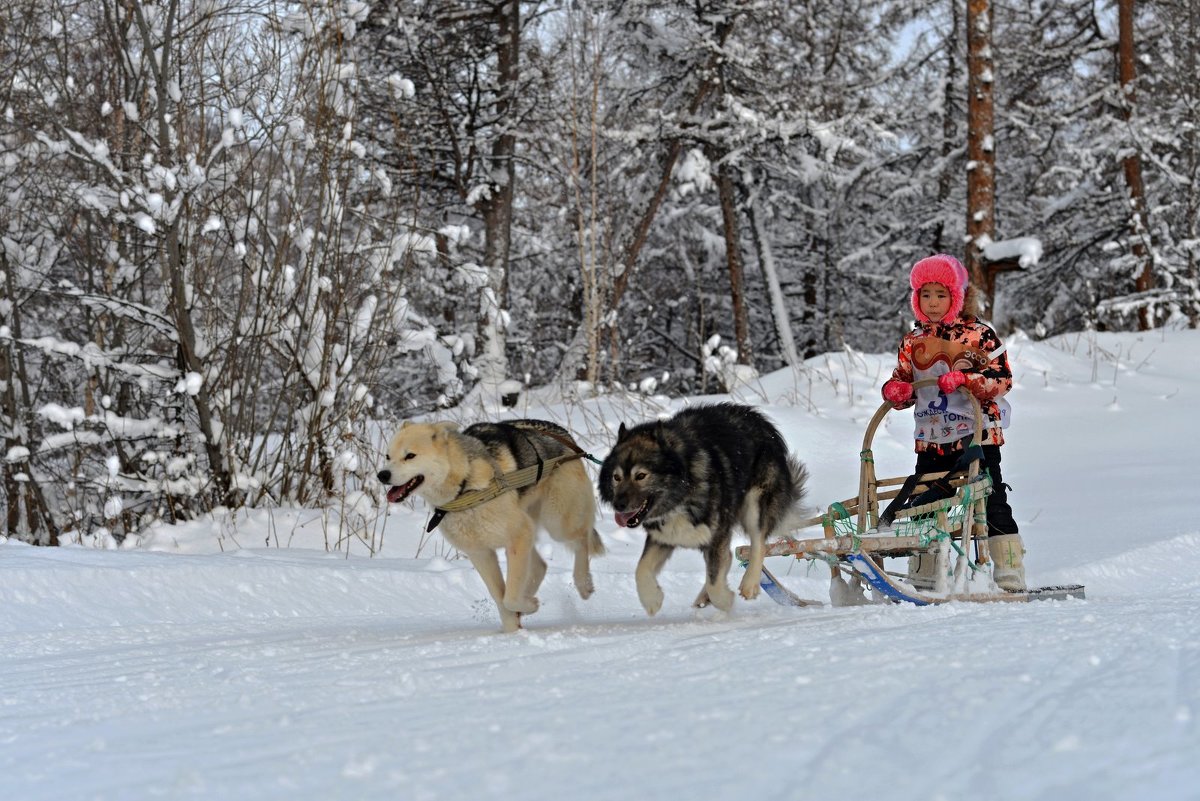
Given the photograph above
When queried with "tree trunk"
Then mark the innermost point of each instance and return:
(981, 153)
(1132, 164)
(37, 525)
(1192, 147)
(949, 126)
(641, 231)
(733, 260)
(497, 207)
(172, 256)
(766, 258)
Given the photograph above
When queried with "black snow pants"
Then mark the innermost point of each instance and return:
(999, 513)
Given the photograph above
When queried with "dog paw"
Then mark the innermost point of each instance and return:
(524, 606)
(585, 586)
(701, 599)
(721, 597)
(651, 598)
(749, 589)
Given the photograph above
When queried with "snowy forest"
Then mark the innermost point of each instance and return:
(240, 236)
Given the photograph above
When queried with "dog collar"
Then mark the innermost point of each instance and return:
(439, 513)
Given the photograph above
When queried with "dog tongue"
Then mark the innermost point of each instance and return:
(623, 518)
(395, 494)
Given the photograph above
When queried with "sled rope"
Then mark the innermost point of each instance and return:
(921, 522)
(936, 534)
(564, 439)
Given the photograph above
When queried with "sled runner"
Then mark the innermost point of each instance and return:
(781, 594)
(935, 516)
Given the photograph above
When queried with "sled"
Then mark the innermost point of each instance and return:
(939, 516)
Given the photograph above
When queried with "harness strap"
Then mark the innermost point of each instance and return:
(563, 439)
(517, 479)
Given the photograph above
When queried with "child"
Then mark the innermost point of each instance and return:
(951, 344)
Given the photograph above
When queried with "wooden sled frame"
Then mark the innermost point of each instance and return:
(860, 554)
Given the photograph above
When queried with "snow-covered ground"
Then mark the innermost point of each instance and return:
(214, 661)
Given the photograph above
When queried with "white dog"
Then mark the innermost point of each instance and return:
(442, 465)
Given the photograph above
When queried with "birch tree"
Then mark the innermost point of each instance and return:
(192, 262)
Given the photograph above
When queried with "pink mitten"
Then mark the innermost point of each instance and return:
(897, 391)
(951, 381)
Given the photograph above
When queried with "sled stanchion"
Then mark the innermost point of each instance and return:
(947, 518)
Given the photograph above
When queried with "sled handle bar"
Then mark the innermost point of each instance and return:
(867, 490)
(886, 407)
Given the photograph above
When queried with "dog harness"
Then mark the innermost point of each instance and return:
(522, 477)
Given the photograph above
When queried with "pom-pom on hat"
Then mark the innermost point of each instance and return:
(940, 269)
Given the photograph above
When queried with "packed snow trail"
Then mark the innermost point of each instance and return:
(172, 670)
(275, 676)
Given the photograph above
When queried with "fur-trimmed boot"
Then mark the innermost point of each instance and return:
(1008, 552)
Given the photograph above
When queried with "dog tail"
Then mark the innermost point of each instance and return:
(596, 545)
(798, 511)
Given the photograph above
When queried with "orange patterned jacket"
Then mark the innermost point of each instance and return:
(934, 349)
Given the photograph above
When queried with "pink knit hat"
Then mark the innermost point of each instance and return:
(940, 269)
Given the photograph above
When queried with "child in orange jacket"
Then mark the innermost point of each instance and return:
(952, 345)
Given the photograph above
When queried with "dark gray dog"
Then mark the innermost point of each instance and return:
(688, 480)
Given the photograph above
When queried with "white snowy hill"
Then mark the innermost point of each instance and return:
(270, 656)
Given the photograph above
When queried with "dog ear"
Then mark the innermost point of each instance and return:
(660, 434)
(442, 430)
(621, 432)
(405, 424)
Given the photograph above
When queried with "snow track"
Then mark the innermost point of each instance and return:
(297, 675)
(268, 675)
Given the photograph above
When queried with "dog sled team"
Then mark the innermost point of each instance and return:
(690, 480)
